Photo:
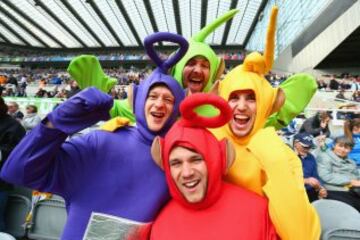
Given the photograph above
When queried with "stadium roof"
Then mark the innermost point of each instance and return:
(74, 24)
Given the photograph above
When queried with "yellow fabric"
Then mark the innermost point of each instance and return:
(115, 123)
(264, 164)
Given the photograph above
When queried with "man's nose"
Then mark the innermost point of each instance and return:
(159, 102)
(187, 171)
(241, 104)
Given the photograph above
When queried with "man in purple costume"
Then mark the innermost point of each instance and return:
(103, 172)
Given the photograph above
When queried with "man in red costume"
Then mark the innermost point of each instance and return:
(203, 205)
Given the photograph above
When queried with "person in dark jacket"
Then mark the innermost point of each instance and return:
(11, 132)
(317, 125)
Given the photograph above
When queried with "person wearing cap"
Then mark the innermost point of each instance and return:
(303, 142)
(203, 206)
(104, 172)
(264, 163)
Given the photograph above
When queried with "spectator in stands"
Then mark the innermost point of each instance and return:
(62, 93)
(11, 132)
(122, 93)
(322, 84)
(203, 206)
(303, 142)
(341, 94)
(74, 89)
(31, 118)
(41, 93)
(352, 132)
(317, 125)
(13, 110)
(339, 172)
(109, 172)
(356, 96)
(355, 85)
(12, 80)
(334, 84)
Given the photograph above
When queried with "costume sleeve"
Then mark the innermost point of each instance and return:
(45, 162)
(298, 89)
(121, 108)
(327, 174)
(290, 211)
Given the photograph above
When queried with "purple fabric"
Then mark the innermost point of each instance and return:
(106, 172)
(81, 111)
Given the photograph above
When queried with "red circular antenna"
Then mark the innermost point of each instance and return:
(193, 119)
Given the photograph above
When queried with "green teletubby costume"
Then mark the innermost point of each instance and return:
(298, 89)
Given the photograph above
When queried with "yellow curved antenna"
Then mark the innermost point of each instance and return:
(270, 40)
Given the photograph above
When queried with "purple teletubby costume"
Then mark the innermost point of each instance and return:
(105, 172)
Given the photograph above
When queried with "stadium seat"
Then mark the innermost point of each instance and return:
(17, 208)
(339, 221)
(49, 219)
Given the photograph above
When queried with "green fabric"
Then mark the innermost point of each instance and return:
(298, 89)
(121, 108)
(87, 71)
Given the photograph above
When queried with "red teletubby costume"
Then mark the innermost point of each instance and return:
(227, 211)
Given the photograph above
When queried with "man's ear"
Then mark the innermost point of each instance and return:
(156, 152)
(130, 95)
(220, 70)
(279, 101)
(230, 155)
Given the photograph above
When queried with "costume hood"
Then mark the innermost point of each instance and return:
(250, 76)
(191, 132)
(159, 76)
(197, 47)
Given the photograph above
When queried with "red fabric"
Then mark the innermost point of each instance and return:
(191, 118)
(238, 214)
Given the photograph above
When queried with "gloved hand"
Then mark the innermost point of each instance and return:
(81, 111)
(87, 72)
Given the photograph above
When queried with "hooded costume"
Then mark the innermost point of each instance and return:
(227, 211)
(104, 172)
(264, 164)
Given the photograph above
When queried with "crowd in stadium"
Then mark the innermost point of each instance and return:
(156, 160)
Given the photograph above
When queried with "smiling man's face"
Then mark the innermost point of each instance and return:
(243, 105)
(189, 172)
(196, 74)
(158, 107)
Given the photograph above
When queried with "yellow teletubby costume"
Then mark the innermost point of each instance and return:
(264, 164)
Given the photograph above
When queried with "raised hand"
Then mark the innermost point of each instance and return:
(87, 72)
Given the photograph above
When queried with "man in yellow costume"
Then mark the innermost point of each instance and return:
(264, 164)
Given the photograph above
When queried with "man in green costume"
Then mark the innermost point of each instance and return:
(196, 72)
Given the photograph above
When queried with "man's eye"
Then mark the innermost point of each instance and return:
(169, 100)
(174, 164)
(152, 96)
